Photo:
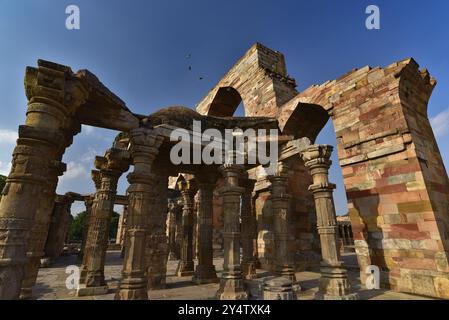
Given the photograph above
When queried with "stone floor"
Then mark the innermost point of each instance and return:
(51, 283)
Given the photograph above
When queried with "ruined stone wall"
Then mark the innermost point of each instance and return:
(395, 180)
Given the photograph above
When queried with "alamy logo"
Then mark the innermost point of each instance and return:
(372, 22)
(72, 281)
(373, 279)
(73, 20)
(236, 147)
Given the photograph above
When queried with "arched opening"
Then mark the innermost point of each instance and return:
(226, 102)
(306, 120)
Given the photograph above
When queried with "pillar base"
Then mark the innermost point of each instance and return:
(46, 262)
(132, 289)
(172, 256)
(157, 282)
(351, 296)
(286, 272)
(131, 294)
(26, 294)
(205, 274)
(249, 270)
(334, 284)
(232, 288)
(84, 291)
(279, 288)
(185, 269)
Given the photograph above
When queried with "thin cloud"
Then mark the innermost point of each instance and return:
(8, 136)
(74, 170)
(440, 123)
(5, 168)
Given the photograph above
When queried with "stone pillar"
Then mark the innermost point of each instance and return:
(111, 167)
(58, 229)
(39, 231)
(88, 202)
(231, 284)
(144, 148)
(185, 266)
(205, 270)
(156, 245)
(280, 206)
(334, 283)
(248, 230)
(121, 228)
(53, 97)
(96, 178)
(171, 231)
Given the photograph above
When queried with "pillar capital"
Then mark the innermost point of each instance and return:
(95, 175)
(317, 155)
(54, 92)
(115, 160)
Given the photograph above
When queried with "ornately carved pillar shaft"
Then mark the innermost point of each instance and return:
(39, 231)
(334, 283)
(231, 285)
(144, 149)
(156, 247)
(280, 206)
(248, 229)
(186, 267)
(171, 231)
(96, 177)
(111, 167)
(88, 202)
(205, 270)
(54, 94)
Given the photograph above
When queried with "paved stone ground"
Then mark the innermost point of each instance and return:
(51, 283)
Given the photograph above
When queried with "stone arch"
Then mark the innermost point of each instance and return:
(313, 116)
(389, 160)
(260, 77)
(225, 102)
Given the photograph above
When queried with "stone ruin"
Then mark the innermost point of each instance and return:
(395, 182)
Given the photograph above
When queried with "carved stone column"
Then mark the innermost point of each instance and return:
(185, 266)
(231, 284)
(39, 231)
(96, 178)
(205, 270)
(144, 148)
(58, 229)
(248, 229)
(54, 94)
(88, 202)
(156, 247)
(171, 231)
(280, 199)
(334, 284)
(111, 167)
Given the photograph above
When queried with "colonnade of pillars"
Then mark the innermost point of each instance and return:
(145, 256)
(54, 95)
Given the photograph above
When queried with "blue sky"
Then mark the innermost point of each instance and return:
(139, 48)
